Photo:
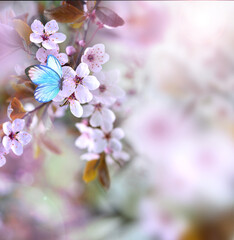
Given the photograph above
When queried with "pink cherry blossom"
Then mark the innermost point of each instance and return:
(95, 57)
(112, 139)
(108, 91)
(46, 34)
(99, 115)
(92, 139)
(76, 88)
(3, 152)
(15, 138)
(42, 55)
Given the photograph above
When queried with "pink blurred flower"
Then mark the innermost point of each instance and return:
(108, 91)
(100, 115)
(3, 152)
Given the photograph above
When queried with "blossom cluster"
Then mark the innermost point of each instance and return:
(87, 90)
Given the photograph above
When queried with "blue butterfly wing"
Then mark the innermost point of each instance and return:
(48, 82)
(46, 92)
(54, 63)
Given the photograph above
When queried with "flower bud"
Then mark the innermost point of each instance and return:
(70, 50)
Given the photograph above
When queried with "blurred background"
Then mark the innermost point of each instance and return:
(176, 64)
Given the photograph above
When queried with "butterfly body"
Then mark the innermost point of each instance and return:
(47, 78)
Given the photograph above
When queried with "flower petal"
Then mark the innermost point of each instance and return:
(91, 82)
(51, 27)
(58, 37)
(83, 95)
(88, 110)
(96, 119)
(58, 98)
(76, 108)
(115, 145)
(41, 55)
(7, 128)
(98, 145)
(68, 72)
(24, 137)
(68, 88)
(82, 70)
(108, 115)
(37, 27)
(36, 38)
(82, 142)
(117, 133)
(18, 125)
(63, 58)
(2, 160)
(17, 147)
(48, 44)
(6, 142)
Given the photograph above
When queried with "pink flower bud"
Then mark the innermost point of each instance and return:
(70, 50)
(82, 43)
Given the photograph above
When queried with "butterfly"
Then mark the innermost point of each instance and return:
(47, 78)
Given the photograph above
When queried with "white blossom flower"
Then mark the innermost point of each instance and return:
(95, 56)
(112, 138)
(15, 138)
(76, 88)
(42, 55)
(46, 34)
(3, 152)
(100, 115)
(108, 91)
(90, 138)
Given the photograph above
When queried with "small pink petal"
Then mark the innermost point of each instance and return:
(117, 133)
(68, 88)
(76, 108)
(68, 73)
(41, 55)
(17, 147)
(18, 125)
(82, 70)
(115, 145)
(96, 119)
(58, 37)
(6, 142)
(91, 82)
(83, 95)
(48, 44)
(37, 27)
(88, 110)
(24, 137)
(51, 27)
(7, 128)
(36, 38)
(63, 58)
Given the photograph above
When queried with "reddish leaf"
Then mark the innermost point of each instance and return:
(103, 173)
(23, 30)
(108, 17)
(65, 13)
(18, 110)
(22, 91)
(91, 170)
(76, 3)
